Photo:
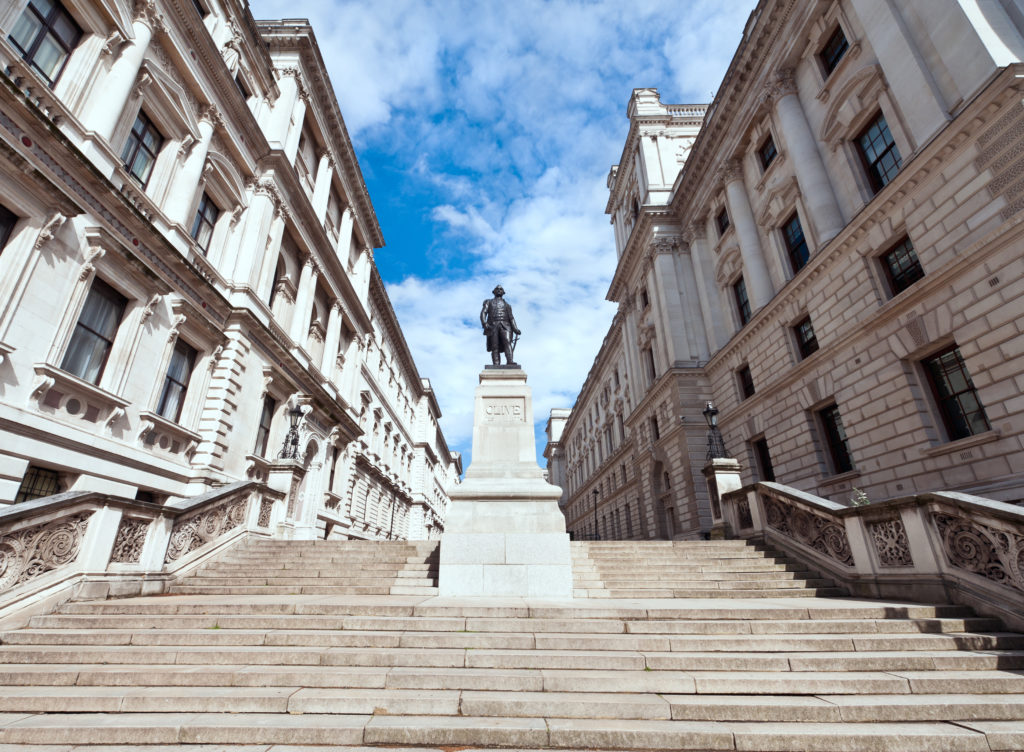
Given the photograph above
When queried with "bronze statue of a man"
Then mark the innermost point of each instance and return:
(499, 326)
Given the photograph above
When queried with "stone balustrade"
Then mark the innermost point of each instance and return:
(92, 545)
(931, 546)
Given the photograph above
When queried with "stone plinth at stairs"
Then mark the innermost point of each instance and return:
(273, 647)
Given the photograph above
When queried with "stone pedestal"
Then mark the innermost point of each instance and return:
(504, 533)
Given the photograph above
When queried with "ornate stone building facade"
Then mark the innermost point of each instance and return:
(187, 281)
(831, 252)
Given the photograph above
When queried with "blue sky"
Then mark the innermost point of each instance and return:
(485, 132)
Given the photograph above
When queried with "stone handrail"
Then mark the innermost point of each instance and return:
(88, 544)
(933, 546)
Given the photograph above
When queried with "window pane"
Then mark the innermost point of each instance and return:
(962, 411)
(7, 221)
(48, 58)
(37, 483)
(94, 333)
(171, 400)
(86, 355)
(25, 31)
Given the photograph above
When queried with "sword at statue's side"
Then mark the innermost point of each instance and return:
(515, 341)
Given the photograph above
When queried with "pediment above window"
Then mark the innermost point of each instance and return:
(167, 102)
(778, 202)
(852, 105)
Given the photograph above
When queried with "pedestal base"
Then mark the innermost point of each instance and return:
(528, 558)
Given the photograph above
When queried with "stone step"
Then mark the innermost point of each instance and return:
(712, 583)
(770, 643)
(217, 581)
(187, 589)
(823, 592)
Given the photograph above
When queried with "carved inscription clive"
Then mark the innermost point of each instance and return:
(505, 410)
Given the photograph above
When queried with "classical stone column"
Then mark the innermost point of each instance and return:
(272, 253)
(707, 287)
(322, 186)
(362, 273)
(182, 194)
(345, 233)
(111, 94)
(331, 340)
(815, 186)
(258, 217)
(304, 301)
(759, 284)
(279, 123)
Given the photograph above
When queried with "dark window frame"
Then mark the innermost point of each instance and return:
(746, 381)
(956, 406)
(142, 127)
(767, 152)
(47, 30)
(795, 240)
(739, 293)
(645, 299)
(722, 221)
(8, 221)
(833, 51)
(207, 215)
(836, 441)
(886, 162)
(763, 457)
(171, 381)
(901, 265)
(42, 481)
(103, 289)
(806, 339)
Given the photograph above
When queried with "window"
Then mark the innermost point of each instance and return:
(7, 221)
(141, 149)
(202, 226)
(722, 221)
(746, 382)
(648, 356)
(833, 51)
(263, 432)
(767, 152)
(242, 88)
(796, 244)
(765, 471)
(94, 333)
(902, 267)
(879, 153)
(835, 440)
(806, 342)
(608, 440)
(739, 292)
(176, 382)
(45, 34)
(645, 299)
(655, 431)
(305, 160)
(37, 483)
(958, 402)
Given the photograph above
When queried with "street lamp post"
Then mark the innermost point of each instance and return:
(290, 450)
(716, 446)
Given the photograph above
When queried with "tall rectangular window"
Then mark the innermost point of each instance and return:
(835, 440)
(962, 411)
(739, 293)
(806, 342)
(655, 431)
(833, 51)
(94, 333)
(902, 267)
(202, 225)
(746, 382)
(45, 34)
(722, 221)
(879, 153)
(648, 356)
(141, 148)
(263, 431)
(796, 244)
(765, 471)
(37, 483)
(183, 359)
(7, 221)
(767, 152)
(645, 299)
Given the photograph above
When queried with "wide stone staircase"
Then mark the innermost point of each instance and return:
(689, 569)
(321, 567)
(256, 664)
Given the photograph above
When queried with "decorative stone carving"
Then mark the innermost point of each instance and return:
(890, 540)
(813, 530)
(984, 550)
(30, 553)
(199, 528)
(93, 254)
(131, 537)
(266, 507)
(731, 170)
(743, 511)
(49, 230)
